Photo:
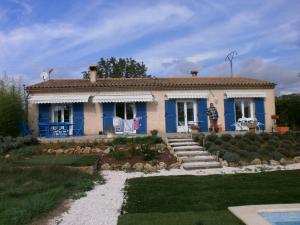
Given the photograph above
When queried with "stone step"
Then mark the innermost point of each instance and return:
(191, 153)
(201, 165)
(202, 158)
(188, 148)
(183, 143)
(179, 140)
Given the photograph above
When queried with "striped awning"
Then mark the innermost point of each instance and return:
(245, 94)
(126, 97)
(186, 95)
(52, 99)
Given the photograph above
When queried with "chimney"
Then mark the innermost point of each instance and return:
(93, 73)
(194, 72)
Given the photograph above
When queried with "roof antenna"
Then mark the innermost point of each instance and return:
(229, 58)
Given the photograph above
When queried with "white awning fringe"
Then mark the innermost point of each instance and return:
(186, 95)
(245, 94)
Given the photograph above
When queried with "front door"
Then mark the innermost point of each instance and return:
(186, 115)
(62, 114)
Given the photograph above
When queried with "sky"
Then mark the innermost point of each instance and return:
(170, 37)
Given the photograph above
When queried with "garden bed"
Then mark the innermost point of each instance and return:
(251, 148)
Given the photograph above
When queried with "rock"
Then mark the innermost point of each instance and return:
(274, 162)
(105, 166)
(98, 150)
(7, 156)
(59, 152)
(50, 151)
(66, 151)
(138, 166)
(126, 166)
(87, 150)
(116, 166)
(149, 167)
(265, 162)
(175, 165)
(106, 151)
(224, 163)
(243, 163)
(290, 161)
(282, 161)
(297, 159)
(256, 162)
(162, 165)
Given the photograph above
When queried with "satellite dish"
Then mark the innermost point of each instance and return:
(44, 76)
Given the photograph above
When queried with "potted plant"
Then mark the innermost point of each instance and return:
(282, 129)
(154, 132)
(194, 129)
(252, 126)
(110, 132)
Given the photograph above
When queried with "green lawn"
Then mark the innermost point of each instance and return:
(203, 200)
(29, 193)
(62, 160)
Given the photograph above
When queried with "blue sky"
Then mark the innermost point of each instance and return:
(171, 37)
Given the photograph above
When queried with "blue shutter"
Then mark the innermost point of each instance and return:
(141, 112)
(44, 117)
(202, 116)
(78, 119)
(108, 114)
(229, 114)
(260, 111)
(170, 116)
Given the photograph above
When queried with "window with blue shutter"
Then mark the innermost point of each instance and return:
(260, 112)
(229, 114)
(44, 117)
(141, 112)
(170, 115)
(202, 116)
(78, 119)
(108, 114)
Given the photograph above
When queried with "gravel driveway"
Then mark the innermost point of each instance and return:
(102, 205)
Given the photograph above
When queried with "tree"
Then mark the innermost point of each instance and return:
(11, 107)
(288, 108)
(119, 68)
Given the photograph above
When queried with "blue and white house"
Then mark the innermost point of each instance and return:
(77, 107)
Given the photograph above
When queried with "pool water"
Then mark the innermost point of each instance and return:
(282, 218)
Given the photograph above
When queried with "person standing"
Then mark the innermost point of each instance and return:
(213, 117)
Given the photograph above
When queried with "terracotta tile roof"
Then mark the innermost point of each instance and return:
(113, 84)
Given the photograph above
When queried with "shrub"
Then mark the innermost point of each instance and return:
(276, 155)
(211, 137)
(263, 151)
(218, 141)
(273, 142)
(255, 155)
(252, 136)
(214, 149)
(199, 138)
(241, 144)
(284, 151)
(119, 155)
(296, 154)
(120, 140)
(8, 143)
(238, 137)
(286, 144)
(226, 146)
(297, 147)
(226, 137)
(148, 153)
(243, 153)
(231, 157)
(264, 136)
(233, 141)
(252, 148)
(24, 151)
(208, 144)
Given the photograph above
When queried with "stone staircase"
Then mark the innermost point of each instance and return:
(192, 155)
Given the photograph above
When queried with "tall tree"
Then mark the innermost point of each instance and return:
(119, 68)
(11, 107)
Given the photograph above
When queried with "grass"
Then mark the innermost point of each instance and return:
(31, 187)
(192, 200)
(62, 160)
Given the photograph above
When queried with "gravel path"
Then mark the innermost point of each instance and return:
(101, 206)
